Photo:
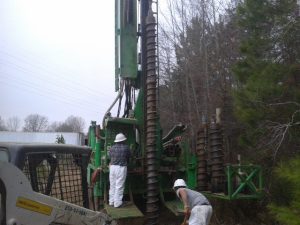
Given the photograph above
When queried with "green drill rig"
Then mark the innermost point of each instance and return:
(156, 161)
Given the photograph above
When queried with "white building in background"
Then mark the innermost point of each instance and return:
(41, 137)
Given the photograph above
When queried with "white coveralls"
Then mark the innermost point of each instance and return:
(117, 177)
(119, 155)
(200, 215)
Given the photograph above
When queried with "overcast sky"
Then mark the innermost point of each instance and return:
(56, 58)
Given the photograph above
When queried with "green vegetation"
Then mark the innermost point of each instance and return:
(267, 99)
(286, 204)
(60, 139)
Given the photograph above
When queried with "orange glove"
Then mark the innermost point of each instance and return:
(187, 211)
(95, 176)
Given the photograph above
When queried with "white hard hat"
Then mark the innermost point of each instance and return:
(120, 137)
(179, 183)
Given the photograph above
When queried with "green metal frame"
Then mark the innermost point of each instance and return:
(243, 182)
(191, 167)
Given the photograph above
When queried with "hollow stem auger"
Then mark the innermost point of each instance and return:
(152, 209)
(202, 149)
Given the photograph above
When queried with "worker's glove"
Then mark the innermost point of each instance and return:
(95, 176)
(187, 211)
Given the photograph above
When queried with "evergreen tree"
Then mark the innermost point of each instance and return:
(286, 207)
(60, 139)
(267, 99)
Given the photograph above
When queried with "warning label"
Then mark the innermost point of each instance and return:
(33, 206)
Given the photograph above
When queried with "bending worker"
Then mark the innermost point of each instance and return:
(197, 208)
(119, 155)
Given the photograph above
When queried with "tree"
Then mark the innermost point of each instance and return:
(53, 126)
(60, 139)
(63, 127)
(71, 124)
(286, 207)
(13, 123)
(76, 123)
(2, 125)
(197, 51)
(267, 99)
(35, 123)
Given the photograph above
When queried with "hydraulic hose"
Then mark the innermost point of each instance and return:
(119, 96)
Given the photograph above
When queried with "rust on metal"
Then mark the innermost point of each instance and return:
(217, 157)
(201, 150)
(152, 208)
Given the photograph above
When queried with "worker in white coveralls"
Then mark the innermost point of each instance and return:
(197, 208)
(119, 155)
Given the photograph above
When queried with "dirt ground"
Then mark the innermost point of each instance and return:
(242, 212)
(165, 218)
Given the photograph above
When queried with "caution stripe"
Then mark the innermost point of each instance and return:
(34, 206)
